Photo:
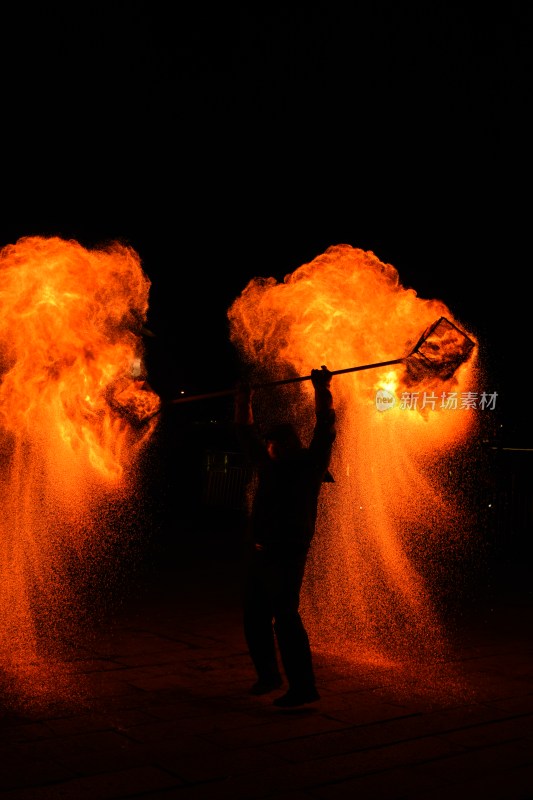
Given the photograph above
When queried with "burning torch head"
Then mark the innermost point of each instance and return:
(439, 352)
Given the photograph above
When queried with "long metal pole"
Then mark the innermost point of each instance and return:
(227, 392)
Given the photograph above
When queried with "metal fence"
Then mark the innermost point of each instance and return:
(508, 497)
(225, 480)
(505, 496)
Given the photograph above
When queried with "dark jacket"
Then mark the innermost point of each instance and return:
(284, 507)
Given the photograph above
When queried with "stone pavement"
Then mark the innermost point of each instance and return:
(166, 712)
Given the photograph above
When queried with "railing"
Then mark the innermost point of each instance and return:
(225, 481)
(505, 500)
(509, 497)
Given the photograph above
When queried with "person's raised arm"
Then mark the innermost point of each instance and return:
(243, 412)
(325, 431)
(321, 380)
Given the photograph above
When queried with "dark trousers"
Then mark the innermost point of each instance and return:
(271, 602)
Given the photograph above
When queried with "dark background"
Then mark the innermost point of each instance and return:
(226, 143)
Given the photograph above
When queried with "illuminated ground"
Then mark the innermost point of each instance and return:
(167, 714)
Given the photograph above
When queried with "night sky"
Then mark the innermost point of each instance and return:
(235, 142)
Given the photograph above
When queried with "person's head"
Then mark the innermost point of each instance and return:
(282, 440)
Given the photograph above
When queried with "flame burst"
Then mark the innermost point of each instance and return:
(74, 418)
(384, 524)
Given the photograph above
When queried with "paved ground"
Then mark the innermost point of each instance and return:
(166, 715)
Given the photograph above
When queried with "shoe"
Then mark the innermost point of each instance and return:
(296, 697)
(265, 687)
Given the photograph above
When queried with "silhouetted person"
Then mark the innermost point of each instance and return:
(282, 525)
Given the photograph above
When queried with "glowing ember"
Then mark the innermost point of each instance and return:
(386, 521)
(75, 415)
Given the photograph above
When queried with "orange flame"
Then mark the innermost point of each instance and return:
(74, 418)
(367, 596)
